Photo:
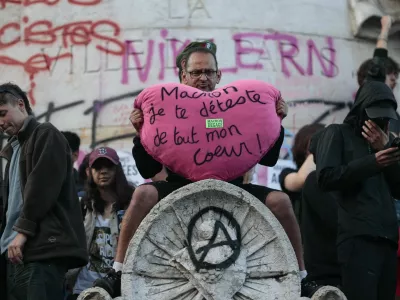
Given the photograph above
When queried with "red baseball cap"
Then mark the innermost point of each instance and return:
(103, 152)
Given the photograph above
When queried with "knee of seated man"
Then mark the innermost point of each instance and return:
(279, 202)
(145, 196)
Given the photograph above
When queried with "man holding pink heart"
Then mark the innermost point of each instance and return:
(198, 67)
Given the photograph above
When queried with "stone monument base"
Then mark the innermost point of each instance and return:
(210, 240)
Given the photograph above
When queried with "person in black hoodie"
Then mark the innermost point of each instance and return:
(392, 73)
(356, 160)
(319, 231)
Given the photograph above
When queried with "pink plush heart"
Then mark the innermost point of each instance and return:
(209, 135)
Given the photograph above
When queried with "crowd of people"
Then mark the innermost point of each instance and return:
(346, 185)
(64, 230)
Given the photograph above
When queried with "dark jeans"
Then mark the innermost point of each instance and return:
(35, 281)
(368, 267)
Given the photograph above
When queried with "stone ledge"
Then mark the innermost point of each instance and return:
(365, 17)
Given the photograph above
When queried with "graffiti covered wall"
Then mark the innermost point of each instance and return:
(83, 61)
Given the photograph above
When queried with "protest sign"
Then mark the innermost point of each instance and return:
(201, 135)
(129, 167)
(269, 176)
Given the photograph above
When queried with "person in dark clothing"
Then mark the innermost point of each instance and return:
(319, 231)
(392, 73)
(319, 228)
(42, 235)
(198, 68)
(74, 143)
(83, 175)
(1, 200)
(292, 180)
(390, 66)
(356, 160)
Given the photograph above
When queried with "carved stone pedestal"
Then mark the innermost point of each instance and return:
(210, 241)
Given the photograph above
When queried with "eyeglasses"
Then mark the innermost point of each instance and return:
(210, 74)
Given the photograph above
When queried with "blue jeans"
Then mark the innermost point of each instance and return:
(35, 281)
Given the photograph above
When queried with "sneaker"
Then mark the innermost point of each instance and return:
(111, 283)
(308, 288)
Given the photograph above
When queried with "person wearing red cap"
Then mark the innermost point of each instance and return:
(108, 194)
(109, 154)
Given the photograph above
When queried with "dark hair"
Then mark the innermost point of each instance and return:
(73, 139)
(121, 187)
(390, 66)
(302, 142)
(82, 170)
(186, 57)
(11, 93)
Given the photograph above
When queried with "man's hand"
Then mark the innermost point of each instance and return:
(16, 247)
(136, 119)
(374, 135)
(281, 108)
(388, 157)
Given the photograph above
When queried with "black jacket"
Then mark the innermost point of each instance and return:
(148, 167)
(319, 230)
(50, 214)
(346, 163)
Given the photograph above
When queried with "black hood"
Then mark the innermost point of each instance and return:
(368, 94)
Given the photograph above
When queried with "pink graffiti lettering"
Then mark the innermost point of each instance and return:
(329, 68)
(3, 3)
(249, 49)
(143, 70)
(289, 54)
(288, 46)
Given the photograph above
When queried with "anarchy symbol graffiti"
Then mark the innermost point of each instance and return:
(235, 245)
